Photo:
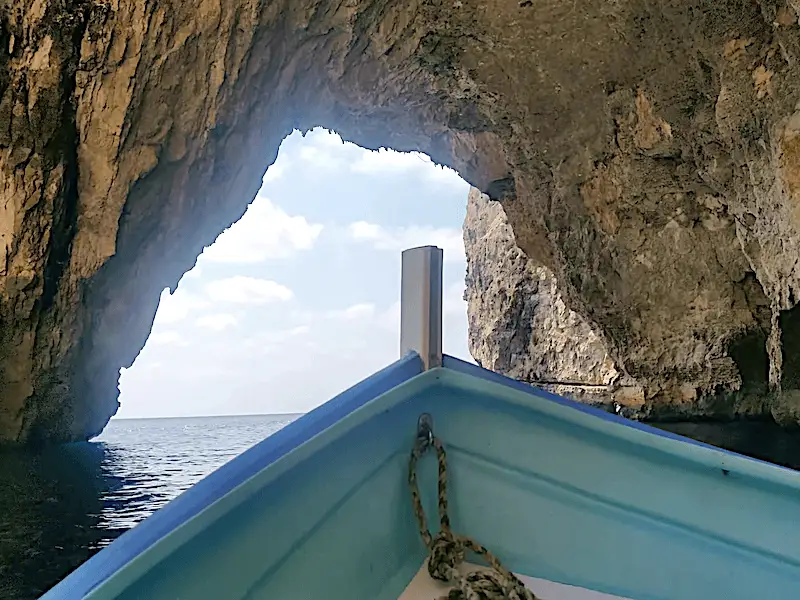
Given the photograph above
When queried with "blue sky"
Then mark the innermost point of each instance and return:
(298, 300)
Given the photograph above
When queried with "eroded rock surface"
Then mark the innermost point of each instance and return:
(519, 324)
(647, 154)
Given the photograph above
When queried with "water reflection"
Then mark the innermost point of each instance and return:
(51, 508)
(763, 440)
(58, 506)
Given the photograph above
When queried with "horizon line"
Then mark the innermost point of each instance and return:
(288, 414)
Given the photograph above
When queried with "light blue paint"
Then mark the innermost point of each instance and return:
(555, 489)
(461, 366)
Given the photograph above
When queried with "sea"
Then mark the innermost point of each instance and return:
(58, 506)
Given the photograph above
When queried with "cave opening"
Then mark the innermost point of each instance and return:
(298, 299)
(749, 352)
(789, 323)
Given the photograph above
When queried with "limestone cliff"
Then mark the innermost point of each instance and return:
(519, 325)
(646, 153)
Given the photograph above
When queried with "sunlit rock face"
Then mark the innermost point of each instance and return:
(647, 154)
(520, 325)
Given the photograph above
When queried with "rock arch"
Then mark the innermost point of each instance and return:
(644, 152)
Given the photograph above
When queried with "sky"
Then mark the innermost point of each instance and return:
(299, 299)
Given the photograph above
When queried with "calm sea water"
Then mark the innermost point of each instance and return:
(61, 505)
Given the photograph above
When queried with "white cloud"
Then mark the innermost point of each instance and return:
(264, 232)
(361, 230)
(453, 302)
(323, 150)
(247, 290)
(389, 319)
(193, 273)
(397, 239)
(299, 330)
(271, 341)
(163, 338)
(354, 312)
(274, 172)
(326, 151)
(391, 162)
(216, 322)
(176, 307)
(325, 138)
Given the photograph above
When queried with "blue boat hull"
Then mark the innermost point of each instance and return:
(557, 490)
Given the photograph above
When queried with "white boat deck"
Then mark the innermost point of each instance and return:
(423, 587)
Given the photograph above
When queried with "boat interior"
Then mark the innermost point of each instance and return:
(424, 587)
(584, 505)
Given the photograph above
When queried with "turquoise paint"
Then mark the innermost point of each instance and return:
(556, 491)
